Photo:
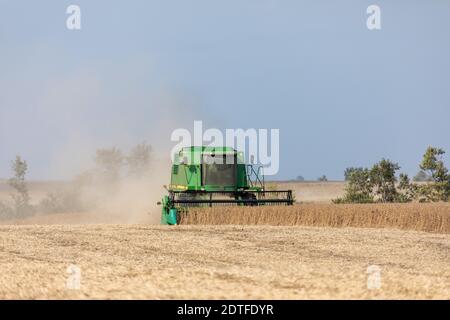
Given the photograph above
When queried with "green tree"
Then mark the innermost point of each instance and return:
(382, 177)
(322, 178)
(407, 191)
(349, 171)
(433, 164)
(359, 187)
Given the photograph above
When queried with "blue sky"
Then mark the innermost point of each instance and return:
(340, 94)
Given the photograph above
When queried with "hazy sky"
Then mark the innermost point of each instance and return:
(340, 94)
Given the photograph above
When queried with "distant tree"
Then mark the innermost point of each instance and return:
(300, 178)
(322, 178)
(349, 171)
(21, 197)
(359, 187)
(433, 164)
(139, 159)
(62, 201)
(383, 179)
(407, 190)
(109, 163)
(6, 211)
(376, 184)
(422, 176)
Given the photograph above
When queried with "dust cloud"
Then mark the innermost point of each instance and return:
(96, 196)
(131, 199)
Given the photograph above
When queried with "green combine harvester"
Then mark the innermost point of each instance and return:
(215, 176)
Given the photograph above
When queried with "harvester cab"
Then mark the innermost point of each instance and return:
(215, 176)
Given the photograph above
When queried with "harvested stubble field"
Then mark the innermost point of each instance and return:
(302, 255)
(212, 262)
(431, 217)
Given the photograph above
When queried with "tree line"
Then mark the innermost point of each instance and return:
(381, 184)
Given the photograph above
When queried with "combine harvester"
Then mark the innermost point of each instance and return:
(215, 176)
